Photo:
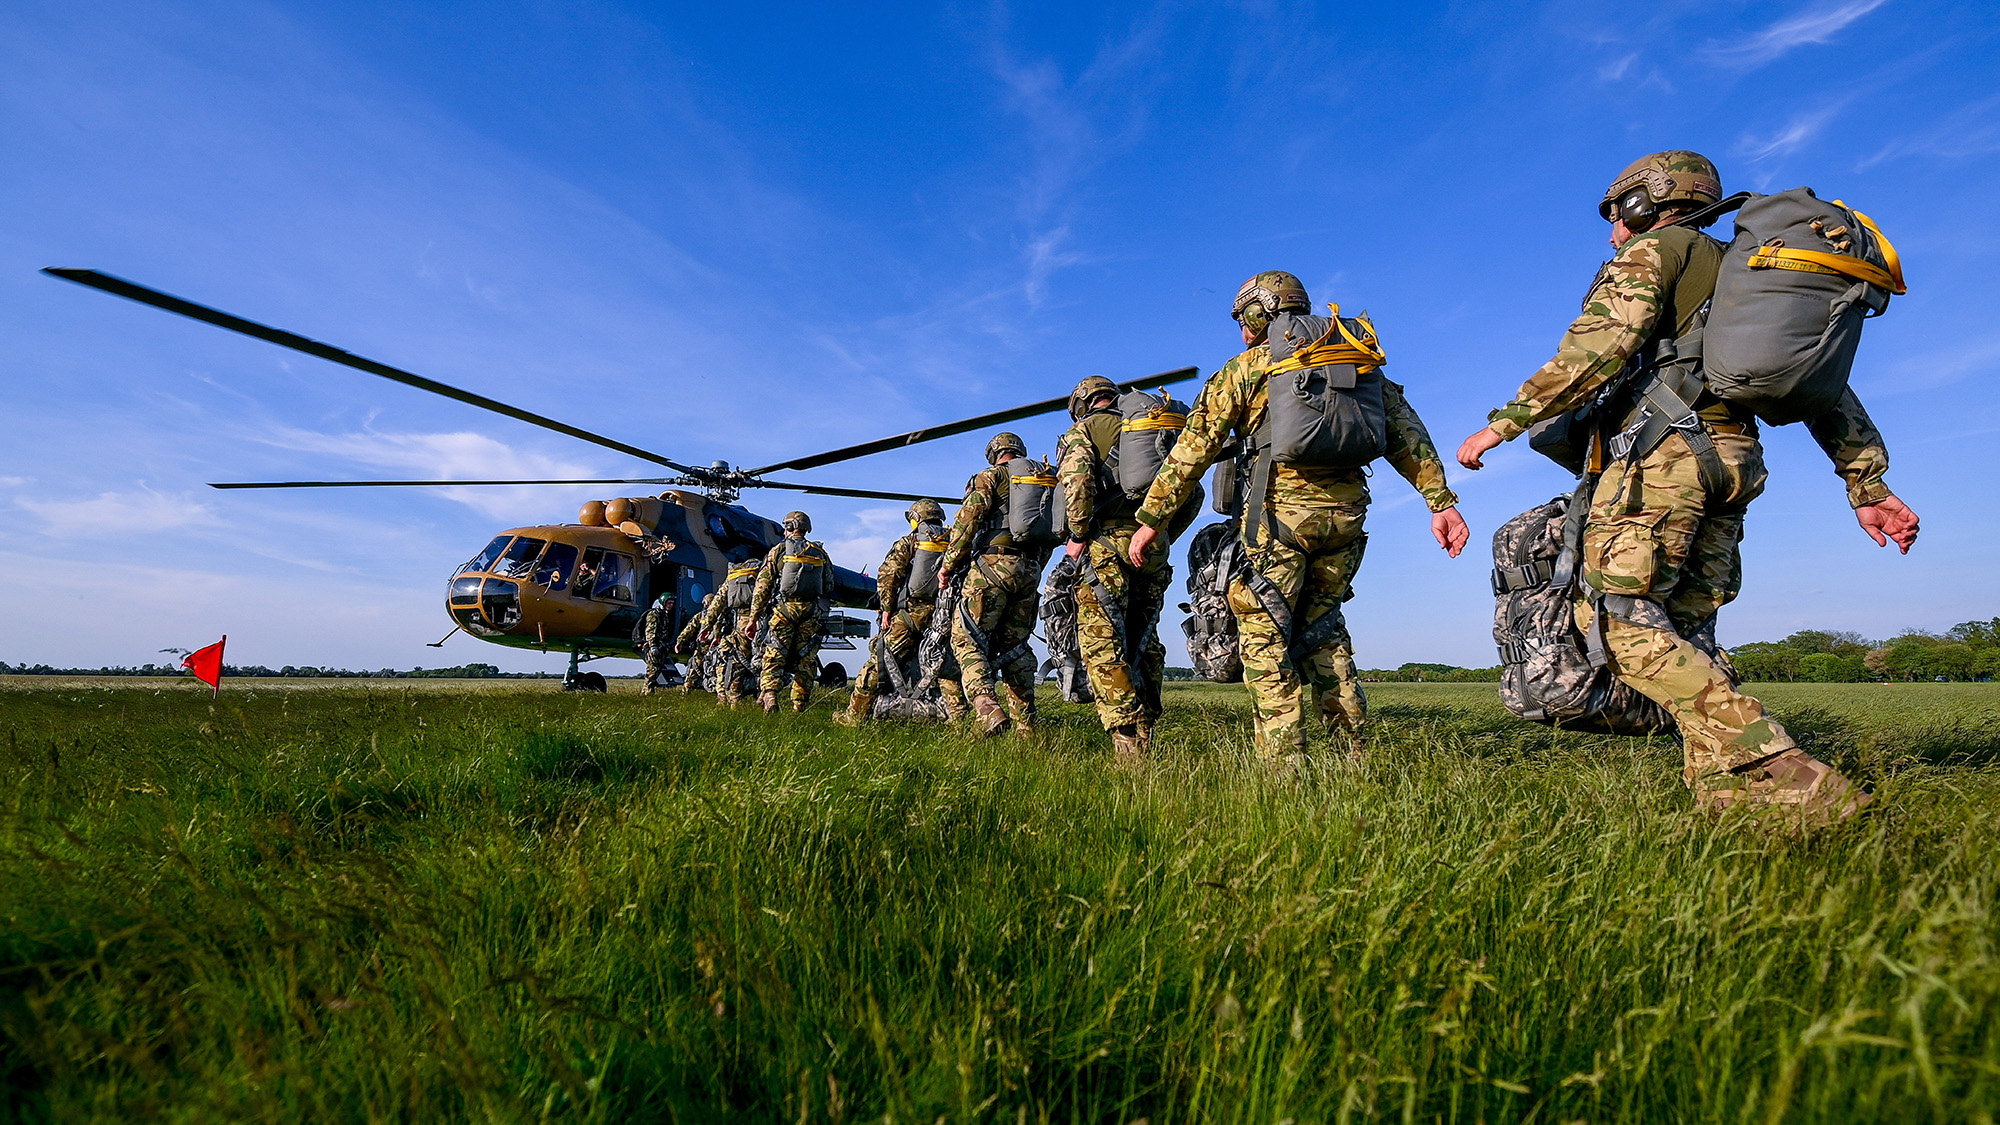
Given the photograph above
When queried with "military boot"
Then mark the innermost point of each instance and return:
(769, 702)
(1022, 706)
(1791, 781)
(992, 720)
(1128, 747)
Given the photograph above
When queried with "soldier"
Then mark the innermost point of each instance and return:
(1117, 607)
(1000, 598)
(655, 639)
(691, 647)
(1660, 548)
(792, 592)
(734, 649)
(1303, 534)
(907, 593)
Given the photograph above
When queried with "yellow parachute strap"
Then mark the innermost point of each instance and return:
(742, 571)
(1363, 351)
(1045, 480)
(1157, 418)
(807, 560)
(1839, 265)
(934, 546)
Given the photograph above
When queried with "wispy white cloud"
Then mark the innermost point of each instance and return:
(1970, 130)
(1814, 25)
(1795, 134)
(119, 515)
(460, 455)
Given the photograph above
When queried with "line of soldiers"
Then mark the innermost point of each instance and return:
(1659, 548)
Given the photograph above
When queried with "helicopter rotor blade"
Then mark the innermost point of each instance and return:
(119, 287)
(431, 483)
(931, 433)
(861, 493)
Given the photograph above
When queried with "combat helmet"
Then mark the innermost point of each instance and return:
(925, 510)
(1004, 442)
(1265, 296)
(1651, 182)
(798, 523)
(1089, 388)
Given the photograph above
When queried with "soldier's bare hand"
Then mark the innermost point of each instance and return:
(944, 580)
(1142, 541)
(1889, 519)
(1475, 447)
(1449, 528)
(1072, 549)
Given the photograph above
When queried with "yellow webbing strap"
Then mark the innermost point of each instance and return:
(806, 560)
(743, 571)
(1044, 480)
(1842, 265)
(1158, 418)
(935, 546)
(1364, 351)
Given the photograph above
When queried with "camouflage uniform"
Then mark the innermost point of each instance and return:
(909, 611)
(1660, 545)
(655, 640)
(1310, 556)
(690, 646)
(1002, 595)
(733, 650)
(794, 624)
(1101, 517)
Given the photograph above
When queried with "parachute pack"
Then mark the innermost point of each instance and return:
(1795, 285)
(739, 587)
(931, 539)
(1035, 513)
(1148, 428)
(1325, 391)
(1211, 625)
(802, 571)
(1059, 628)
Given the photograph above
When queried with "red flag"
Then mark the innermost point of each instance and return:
(206, 664)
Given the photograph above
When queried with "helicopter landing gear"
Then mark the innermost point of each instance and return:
(574, 680)
(832, 676)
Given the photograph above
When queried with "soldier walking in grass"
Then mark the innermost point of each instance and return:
(996, 611)
(1117, 604)
(735, 647)
(692, 648)
(790, 599)
(1304, 501)
(906, 588)
(655, 640)
(1660, 544)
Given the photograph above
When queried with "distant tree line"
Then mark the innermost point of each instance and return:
(1418, 672)
(1969, 650)
(457, 672)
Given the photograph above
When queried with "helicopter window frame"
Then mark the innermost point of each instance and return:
(556, 567)
(485, 559)
(615, 579)
(519, 561)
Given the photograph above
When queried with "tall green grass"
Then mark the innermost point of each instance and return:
(379, 903)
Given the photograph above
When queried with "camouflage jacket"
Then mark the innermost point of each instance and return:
(985, 501)
(895, 570)
(1233, 401)
(1621, 312)
(685, 643)
(658, 620)
(767, 579)
(1094, 500)
(715, 614)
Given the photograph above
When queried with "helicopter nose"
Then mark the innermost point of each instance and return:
(484, 605)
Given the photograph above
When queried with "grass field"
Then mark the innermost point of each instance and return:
(410, 901)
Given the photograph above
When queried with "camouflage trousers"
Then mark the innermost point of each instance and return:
(1111, 643)
(793, 651)
(733, 672)
(1666, 556)
(1312, 574)
(658, 660)
(1001, 595)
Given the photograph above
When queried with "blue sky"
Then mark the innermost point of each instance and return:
(748, 233)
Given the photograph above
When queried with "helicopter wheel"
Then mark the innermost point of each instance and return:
(587, 681)
(832, 676)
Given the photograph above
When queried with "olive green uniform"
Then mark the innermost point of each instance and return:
(1308, 547)
(1661, 546)
(690, 646)
(1001, 597)
(656, 641)
(1117, 607)
(733, 650)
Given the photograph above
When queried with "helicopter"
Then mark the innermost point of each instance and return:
(582, 587)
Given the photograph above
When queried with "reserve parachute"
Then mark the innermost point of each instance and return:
(1035, 515)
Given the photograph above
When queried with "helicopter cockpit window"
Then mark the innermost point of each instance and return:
(520, 558)
(484, 560)
(557, 565)
(614, 578)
